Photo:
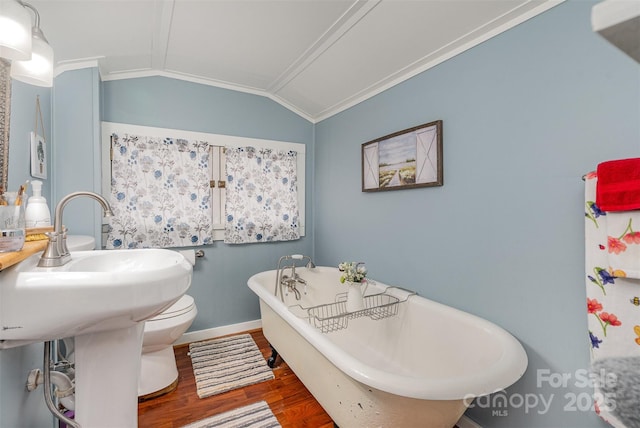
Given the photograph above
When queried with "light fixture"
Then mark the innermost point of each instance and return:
(15, 31)
(39, 69)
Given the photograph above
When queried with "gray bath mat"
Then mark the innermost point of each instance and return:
(257, 415)
(220, 365)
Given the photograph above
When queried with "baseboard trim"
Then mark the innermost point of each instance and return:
(210, 333)
(465, 422)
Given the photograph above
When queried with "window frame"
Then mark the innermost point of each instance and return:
(217, 142)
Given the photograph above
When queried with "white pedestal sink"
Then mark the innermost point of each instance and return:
(106, 362)
(101, 298)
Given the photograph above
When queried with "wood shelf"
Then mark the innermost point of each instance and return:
(29, 248)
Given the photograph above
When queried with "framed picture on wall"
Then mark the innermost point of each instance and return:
(404, 160)
(38, 156)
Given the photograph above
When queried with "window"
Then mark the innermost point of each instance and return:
(217, 182)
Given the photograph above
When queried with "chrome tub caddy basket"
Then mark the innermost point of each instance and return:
(334, 316)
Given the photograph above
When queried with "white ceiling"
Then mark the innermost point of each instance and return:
(315, 57)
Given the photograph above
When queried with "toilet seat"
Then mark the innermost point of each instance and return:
(182, 306)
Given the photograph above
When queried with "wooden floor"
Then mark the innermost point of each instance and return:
(287, 397)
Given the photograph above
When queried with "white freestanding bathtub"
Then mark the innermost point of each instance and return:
(419, 367)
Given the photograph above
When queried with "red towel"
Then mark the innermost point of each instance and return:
(618, 186)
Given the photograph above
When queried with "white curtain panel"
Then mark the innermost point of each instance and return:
(261, 196)
(159, 193)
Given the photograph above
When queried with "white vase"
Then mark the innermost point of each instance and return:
(355, 299)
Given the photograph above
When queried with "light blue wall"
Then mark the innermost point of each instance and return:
(525, 114)
(76, 154)
(23, 116)
(176, 104)
(220, 279)
(18, 407)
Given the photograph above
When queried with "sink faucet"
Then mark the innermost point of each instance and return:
(57, 253)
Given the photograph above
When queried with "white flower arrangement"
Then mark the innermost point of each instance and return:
(352, 272)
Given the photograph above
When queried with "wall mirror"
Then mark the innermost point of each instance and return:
(5, 116)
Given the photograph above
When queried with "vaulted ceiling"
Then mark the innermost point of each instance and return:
(315, 57)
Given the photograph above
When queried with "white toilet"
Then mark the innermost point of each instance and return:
(81, 243)
(158, 370)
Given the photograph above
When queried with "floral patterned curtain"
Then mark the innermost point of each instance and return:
(261, 196)
(159, 193)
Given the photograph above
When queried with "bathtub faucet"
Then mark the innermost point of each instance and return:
(291, 281)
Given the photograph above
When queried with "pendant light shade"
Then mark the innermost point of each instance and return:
(15, 31)
(38, 70)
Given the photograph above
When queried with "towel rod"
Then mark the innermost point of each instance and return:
(584, 176)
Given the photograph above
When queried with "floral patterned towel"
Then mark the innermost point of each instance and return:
(623, 243)
(613, 308)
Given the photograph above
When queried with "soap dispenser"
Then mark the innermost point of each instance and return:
(37, 213)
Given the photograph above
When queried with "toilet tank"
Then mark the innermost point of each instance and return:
(81, 243)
